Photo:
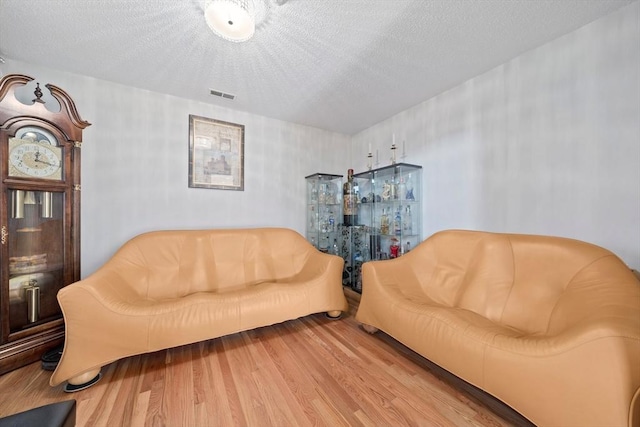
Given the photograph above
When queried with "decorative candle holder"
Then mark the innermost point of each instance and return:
(393, 153)
(369, 160)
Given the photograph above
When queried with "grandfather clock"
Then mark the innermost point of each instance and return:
(39, 216)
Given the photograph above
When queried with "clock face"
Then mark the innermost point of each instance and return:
(34, 159)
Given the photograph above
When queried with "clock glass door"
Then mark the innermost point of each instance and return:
(36, 256)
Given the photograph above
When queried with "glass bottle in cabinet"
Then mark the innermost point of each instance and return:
(390, 208)
(324, 211)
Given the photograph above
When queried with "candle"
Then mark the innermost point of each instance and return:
(369, 148)
(393, 139)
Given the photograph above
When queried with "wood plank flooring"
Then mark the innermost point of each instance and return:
(307, 372)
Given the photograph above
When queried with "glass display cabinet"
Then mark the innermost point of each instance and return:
(40, 218)
(324, 211)
(388, 220)
(389, 209)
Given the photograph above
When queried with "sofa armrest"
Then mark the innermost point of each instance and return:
(113, 283)
(384, 283)
(397, 274)
(319, 264)
(604, 294)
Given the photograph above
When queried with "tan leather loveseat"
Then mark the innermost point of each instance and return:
(548, 325)
(169, 288)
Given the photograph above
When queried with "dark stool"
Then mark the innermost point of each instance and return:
(61, 414)
(51, 358)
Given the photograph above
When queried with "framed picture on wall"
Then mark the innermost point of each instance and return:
(216, 154)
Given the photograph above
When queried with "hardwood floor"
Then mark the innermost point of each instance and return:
(307, 372)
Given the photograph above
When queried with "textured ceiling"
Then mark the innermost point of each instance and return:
(341, 65)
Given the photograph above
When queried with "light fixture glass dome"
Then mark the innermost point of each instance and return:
(232, 20)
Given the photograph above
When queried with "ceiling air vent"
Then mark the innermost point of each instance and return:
(222, 94)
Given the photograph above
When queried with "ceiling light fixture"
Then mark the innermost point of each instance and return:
(232, 20)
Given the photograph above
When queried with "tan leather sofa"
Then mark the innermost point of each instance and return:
(169, 288)
(548, 325)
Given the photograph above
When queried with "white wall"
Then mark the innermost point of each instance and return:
(548, 143)
(135, 165)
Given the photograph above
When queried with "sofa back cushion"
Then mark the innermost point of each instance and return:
(172, 264)
(511, 279)
(444, 268)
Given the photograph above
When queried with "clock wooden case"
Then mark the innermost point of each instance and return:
(39, 216)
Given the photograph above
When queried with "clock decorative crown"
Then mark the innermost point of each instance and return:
(67, 119)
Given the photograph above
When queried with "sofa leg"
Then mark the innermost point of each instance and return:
(82, 381)
(369, 329)
(334, 314)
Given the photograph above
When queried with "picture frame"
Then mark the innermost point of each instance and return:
(216, 154)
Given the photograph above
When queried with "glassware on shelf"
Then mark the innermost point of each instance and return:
(392, 189)
(366, 253)
(402, 189)
(394, 248)
(409, 189)
(323, 207)
(330, 193)
(397, 223)
(324, 242)
(384, 222)
(392, 209)
(407, 222)
(386, 191)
